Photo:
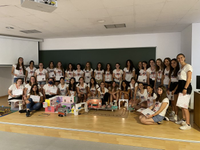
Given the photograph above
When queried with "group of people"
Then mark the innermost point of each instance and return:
(144, 86)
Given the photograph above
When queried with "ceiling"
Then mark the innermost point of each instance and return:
(77, 18)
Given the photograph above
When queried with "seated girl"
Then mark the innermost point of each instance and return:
(103, 94)
(50, 90)
(82, 90)
(159, 115)
(29, 85)
(114, 92)
(151, 99)
(33, 100)
(124, 91)
(62, 87)
(92, 88)
(72, 87)
(133, 89)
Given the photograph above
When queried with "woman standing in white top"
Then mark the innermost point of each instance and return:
(117, 74)
(98, 73)
(41, 75)
(19, 70)
(151, 73)
(129, 71)
(108, 75)
(30, 71)
(137, 72)
(59, 72)
(78, 73)
(69, 73)
(143, 74)
(184, 87)
(62, 87)
(82, 90)
(88, 72)
(92, 88)
(50, 70)
(166, 72)
(158, 116)
(159, 73)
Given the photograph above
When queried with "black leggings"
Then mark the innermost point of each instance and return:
(15, 98)
(49, 96)
(105, 98)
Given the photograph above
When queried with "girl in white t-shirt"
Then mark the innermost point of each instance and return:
(114, 92)
(82, 90)
(30, 71)
(78, 73)
(29, 85)
(166, 72)
(88, 72)
(59, 72)
(151, 98)
(159, 115)
(137, 72)
(142, 94)
(69, 73)
(124, 92)
(72, 87)
(151, 73)
(134, 90)
(159, 73)
(98, 73)
(15, 91)
(41, 75)
(108, 75)
(62, 87)
(50, 90)
(129, 71)
(50, 70)
(103, 94)
(184, 87)
(143, 74)
(117, 74)
(92, 88)
(19, 70)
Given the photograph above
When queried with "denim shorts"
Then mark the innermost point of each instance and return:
(158, 118)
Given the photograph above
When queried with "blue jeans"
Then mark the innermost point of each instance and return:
(33, 106)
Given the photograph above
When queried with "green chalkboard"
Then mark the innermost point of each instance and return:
(98, 55)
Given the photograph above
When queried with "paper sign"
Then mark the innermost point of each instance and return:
(41, 78)
(35, 98)
(183, 100)
(17, 92)
(147, 112)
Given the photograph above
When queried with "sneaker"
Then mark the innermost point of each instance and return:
(172, 114)
(22, 111)
(181, 122)
(185, 127)
(166, 118)
(175, 118)
(27, 113)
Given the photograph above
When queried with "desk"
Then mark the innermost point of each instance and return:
(197, 108)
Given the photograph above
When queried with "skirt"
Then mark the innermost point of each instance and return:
(181, 85)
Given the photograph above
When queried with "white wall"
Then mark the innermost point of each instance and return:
(168, 44)
(5, 80)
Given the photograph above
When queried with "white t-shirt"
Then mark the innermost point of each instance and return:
(159, 75)
(173, 78)
(150, 99)
(48, 88)
(132, 87)
(63, 90)
(142, 76)
(143, 96)
(102, 93)
(41, 75)
(182, 74)
(72, 93)
(166, 77)
(108, 76)
(162, 113)
(59, 73)
(93, 89)
(82, 88)
(31, 72)
(118, 74)
(51, 72)
(152, 73)
(28, 87)
(19, 73)
(88, 75)
(128, 74)
(70, 74)
(13, 87)
(98, 74)
(77, 75)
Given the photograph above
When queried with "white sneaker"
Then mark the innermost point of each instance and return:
(185, 127)
(175, 118)
(166, 118)
(181, 122)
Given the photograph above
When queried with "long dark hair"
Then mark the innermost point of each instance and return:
(174, 70)
(157, 67)
(34, 78)
(122, 88)
(152, 89)
(50, 63)
(116, 86)
(97, 66)
(32, 92)
(18, 65)
(131, 65)
(163, 95)
(72, 86)
(61, 67)
(68, 67)
(145, 63)
(95, 83)
(89, 67)
(167, 58)
(110, 68)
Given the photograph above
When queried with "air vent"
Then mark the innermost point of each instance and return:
(30, 31)
(111, 26)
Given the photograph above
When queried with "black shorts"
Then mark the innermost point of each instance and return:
(173, 86)
(151, 82)
(108, 82)
(181, 85)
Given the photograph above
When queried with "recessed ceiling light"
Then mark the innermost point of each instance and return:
(9, 27)
(101, 21)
